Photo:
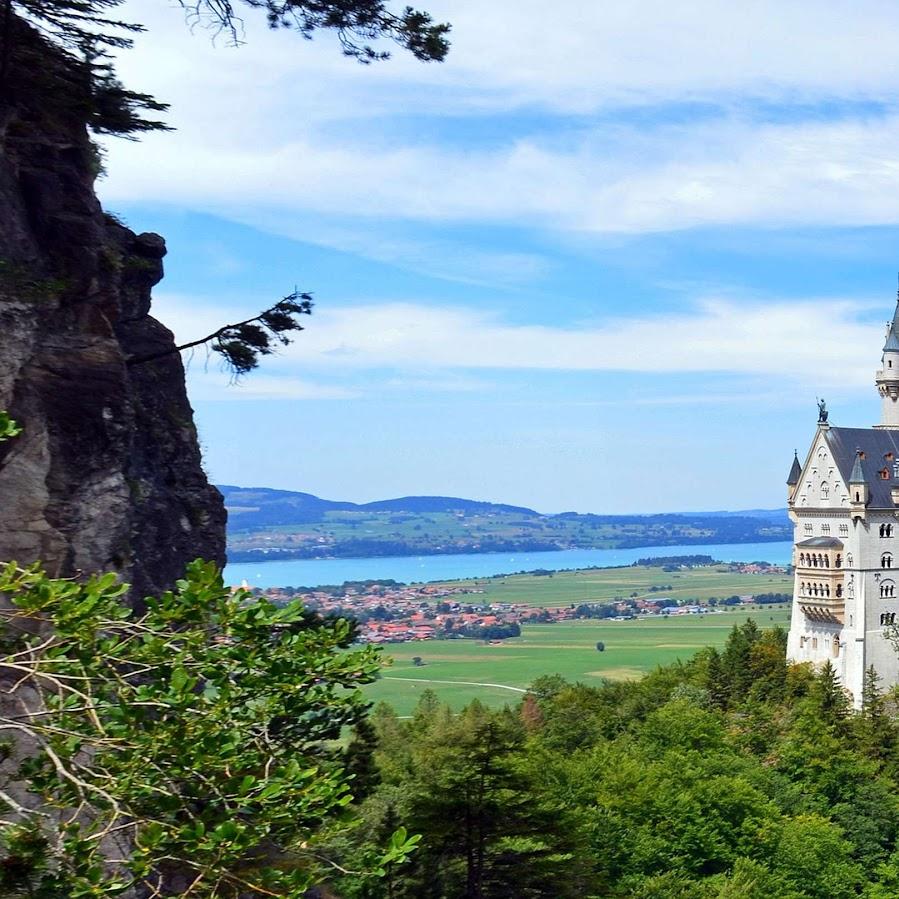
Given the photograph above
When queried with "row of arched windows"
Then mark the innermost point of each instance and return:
(823, 590)
(819, 560)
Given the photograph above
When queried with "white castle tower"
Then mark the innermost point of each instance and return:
(844, 504)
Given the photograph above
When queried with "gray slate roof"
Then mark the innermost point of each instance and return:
(795, 472)
(875, 444)
(893, 334)
(821, 543)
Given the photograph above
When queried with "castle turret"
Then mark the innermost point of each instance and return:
(887, 378)
(858, 488)
(794, 476)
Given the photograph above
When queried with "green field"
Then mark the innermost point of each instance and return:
(604, 584)
(567, 648)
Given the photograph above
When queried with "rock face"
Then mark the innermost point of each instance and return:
(107, 474)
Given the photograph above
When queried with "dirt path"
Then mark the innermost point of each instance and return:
(464, 683)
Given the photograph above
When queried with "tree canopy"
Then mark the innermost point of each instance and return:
(86, 30)
(187, 750)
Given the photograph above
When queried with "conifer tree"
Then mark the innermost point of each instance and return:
(832, 701)
(359, 762)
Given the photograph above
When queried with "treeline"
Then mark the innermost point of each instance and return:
(731, 776)
(690, 561)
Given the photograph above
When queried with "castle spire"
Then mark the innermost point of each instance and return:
(887, 378)
(795, 471)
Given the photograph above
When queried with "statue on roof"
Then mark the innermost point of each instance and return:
(822, 412)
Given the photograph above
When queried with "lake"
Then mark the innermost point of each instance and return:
(413, 569)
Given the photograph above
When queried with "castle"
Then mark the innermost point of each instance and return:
(844, 504)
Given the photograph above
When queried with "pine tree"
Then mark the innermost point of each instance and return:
(359, 762)
(833, 704)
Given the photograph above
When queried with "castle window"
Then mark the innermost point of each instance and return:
(887, 589)
(887, 618)
(836, 647)
(808, 529)
(825, 529)
(886, 560)
(839, 589)
(896, 469)
(849, 559)
(844, 530)
(814, 642)
(825, 490)
(838, 561)
(884, 474)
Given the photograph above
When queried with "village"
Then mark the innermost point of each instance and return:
(400, 613)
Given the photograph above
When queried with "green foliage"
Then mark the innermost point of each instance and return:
(8, 428)
(193, 744)
(86, 30)
(731, 776)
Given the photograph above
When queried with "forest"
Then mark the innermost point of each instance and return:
(733, 774)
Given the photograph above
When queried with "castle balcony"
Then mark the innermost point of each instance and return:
(819, 556)
(820, 579)
(823, 610)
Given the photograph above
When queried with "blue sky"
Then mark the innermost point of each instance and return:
(602, 262)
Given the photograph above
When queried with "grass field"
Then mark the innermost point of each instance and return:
(566, 648)
(603, 584)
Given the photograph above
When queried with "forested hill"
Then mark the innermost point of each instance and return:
(265, 523)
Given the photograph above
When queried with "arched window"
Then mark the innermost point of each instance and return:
(839, 589)
(836, 646)
(887, 588)
(849, 559)
(886, 560)
(802, 558)
(825, 491)
(838, 561)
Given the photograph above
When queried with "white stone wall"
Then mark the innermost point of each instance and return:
(861, 635)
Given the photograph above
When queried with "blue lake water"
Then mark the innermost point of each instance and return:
(413, 569)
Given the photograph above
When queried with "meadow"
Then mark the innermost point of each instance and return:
(604, 584)
(499, 673)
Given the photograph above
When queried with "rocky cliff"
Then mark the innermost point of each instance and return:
(107, 474)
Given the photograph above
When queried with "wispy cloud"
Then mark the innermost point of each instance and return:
(313, 133)
(788, 340)
(611, 181)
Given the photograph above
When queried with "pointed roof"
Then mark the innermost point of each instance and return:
(858, 474)
(795, 471)
(892, 341)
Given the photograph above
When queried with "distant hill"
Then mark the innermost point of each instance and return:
(259, 507)
(264, 523)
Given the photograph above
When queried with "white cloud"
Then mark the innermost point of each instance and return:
(615, 181)
(282, 128)
(571, 57)
(784, 339)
